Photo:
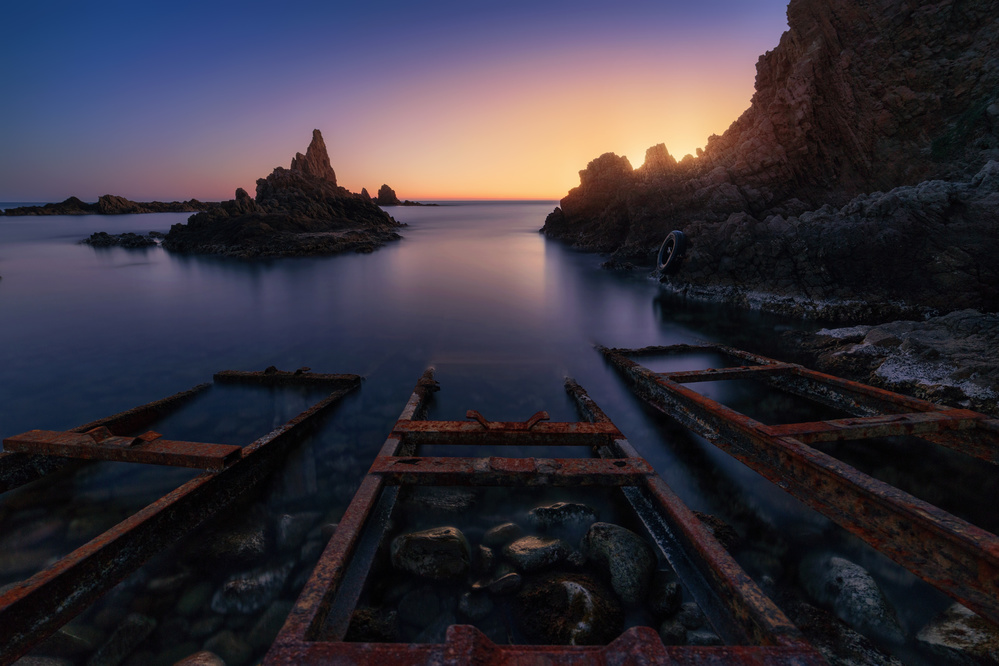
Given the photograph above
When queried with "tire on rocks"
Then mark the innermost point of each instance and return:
(671, 253)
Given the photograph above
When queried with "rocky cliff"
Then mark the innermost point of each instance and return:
(297, 211)
(860, 98)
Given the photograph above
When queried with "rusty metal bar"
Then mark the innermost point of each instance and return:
(715, 375)
(275, 377)
(506, 433)
(33, 609)
(17, 469)
(84, 446)
(428, 471)
(309, 615)
(954, 556)
(920, 423)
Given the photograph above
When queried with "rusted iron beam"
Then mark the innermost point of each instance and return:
(464, 645)
(719, 374)
(711, 575)
(284, 378)
(17, 469)
(958, 558)
(506, 433)
(495, 471)
(311, 611)
(84, 446)
(888, 425)
(33, 609)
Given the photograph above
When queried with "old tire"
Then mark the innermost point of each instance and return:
(671, 253)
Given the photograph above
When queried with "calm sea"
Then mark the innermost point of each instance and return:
(472, 289)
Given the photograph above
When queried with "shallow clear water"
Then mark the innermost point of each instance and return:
(472, 290)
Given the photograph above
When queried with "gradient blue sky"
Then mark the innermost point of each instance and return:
(168, 100)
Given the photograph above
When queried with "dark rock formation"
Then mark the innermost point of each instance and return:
(127, 240)
(952, 359)
(386, 197)
(297, 212)
(858, 97)
(110, 204)
(316, 161)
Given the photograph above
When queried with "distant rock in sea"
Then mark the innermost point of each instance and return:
(110, 204)
(299, 211)
(387, 197)
(862, 178)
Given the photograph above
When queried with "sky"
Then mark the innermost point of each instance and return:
(489, 99)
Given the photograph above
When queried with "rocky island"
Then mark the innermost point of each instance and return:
(299, 211)
(110, 204)
(862, 182)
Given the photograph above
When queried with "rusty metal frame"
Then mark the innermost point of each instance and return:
(956, 557)
(33, 609)
(315, 629)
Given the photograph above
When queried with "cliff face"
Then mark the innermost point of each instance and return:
(860, 96)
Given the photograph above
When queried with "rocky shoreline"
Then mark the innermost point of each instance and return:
(951, 359)
(862, 180)
(110, 204)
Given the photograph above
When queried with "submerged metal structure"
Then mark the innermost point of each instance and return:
(754, 629)
(956, 557)
(35, 608)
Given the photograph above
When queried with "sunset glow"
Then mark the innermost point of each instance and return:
(444, 102)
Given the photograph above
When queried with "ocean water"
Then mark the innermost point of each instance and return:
(472, 289)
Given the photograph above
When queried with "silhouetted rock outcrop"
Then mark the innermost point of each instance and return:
(858, 98)
(297, 211)
(386, 197)
(110, 204)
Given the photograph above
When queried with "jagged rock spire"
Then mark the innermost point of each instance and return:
(316, 161)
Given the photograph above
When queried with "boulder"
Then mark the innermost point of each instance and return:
(534, 553)
(852, 594)
(959, 636)
(624, 556)
(441, 553)
(248, 592)
(562, 515)
(568, 609)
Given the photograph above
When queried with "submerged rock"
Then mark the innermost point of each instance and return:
(440, 553)
(130, 633)
(625, 556)
(852, 593)
(563, 515)
(959, 636)
(501, 535)
(126, 240)
(568, 609)
(534, 553)
(249, 592)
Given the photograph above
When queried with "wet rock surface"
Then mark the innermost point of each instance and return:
(951, 359)
(853, 595)
(534, 553)
(627, 557)
(958, 636)
(127, 240)
(440, 553)
(568, 609)
(299, 211)
(858, 181)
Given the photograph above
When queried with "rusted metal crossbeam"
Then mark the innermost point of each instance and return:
(957, 557)
(430, 471)
(506, 433)
(274, 377)
(920, 423)
(17, 469)
(316, 626)
(740, 372)
(143, 449)
(35, 608)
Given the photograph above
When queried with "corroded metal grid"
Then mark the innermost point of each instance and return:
(35, 608)
(756, 631)
(951, 554)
